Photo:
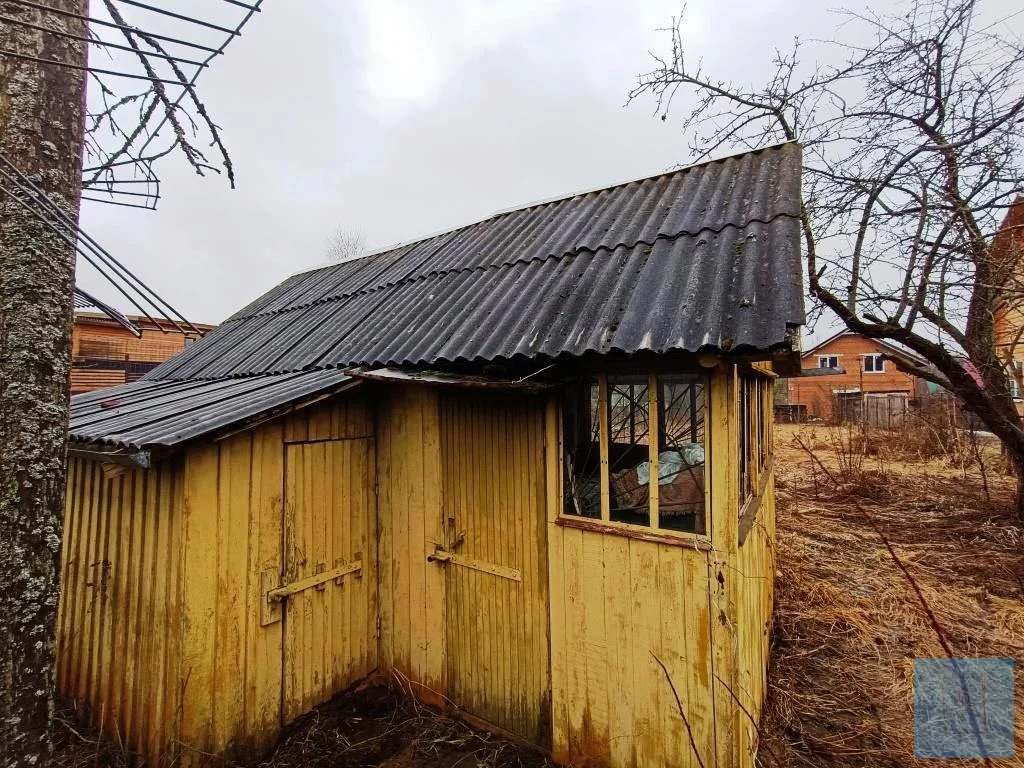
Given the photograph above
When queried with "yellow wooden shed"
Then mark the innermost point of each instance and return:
(525, 464)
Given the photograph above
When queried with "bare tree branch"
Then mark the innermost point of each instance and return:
(912, 156)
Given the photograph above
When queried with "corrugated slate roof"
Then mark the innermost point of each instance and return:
(704, 258)
(149, 414)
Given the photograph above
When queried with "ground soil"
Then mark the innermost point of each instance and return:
(372, 725)
(848, 620)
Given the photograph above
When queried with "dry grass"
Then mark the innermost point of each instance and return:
(849, 623)
(78, 747)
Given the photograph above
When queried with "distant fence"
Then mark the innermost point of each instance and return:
(882, 410)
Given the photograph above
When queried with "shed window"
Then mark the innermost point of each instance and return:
(874, 364)
(613, 447)
(828, 361)
(1014, 379)
(755, 433)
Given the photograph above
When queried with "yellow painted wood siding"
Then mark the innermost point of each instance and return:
(756, 597)
(724, 451)
(233, 533)
(119, 625)
(159, 627)
(621, 604)
(625, 605)
(330, 637)
(756, 594)
(494, 502)
(409, 507)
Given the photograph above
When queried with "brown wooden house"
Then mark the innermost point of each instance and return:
(106, 353)
(524, 465)
(1008, 250)
(871, 386)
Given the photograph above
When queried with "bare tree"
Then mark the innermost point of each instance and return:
(912, 155)
(345, 245)
(46, 136)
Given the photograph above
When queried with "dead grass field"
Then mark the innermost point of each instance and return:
(848, 622)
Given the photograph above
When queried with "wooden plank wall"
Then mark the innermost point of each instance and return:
(756, 568)
(330, 520)
(619, 605)
(409, 507)
(757, 578)
(494, 500)
(162, 574)
(119, 625)
(232, 533)
(159, 623)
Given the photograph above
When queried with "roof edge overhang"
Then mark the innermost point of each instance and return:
(143, 456)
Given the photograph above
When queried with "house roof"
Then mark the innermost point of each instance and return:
(887, 346)
(706, 258)
(143, 415)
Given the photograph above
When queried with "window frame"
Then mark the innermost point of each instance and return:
(652, 531)
(754, 412)
(878, 360)
(827, 358)
(762, 455)
(1015, 374)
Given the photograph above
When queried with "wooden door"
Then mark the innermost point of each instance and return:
(887, 410)
(329, 585)
(496, 561)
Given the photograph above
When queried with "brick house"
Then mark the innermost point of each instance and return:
(871, 385)
(105, 353)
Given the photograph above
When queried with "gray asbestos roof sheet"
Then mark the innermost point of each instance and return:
(704, 258)
(150, 414)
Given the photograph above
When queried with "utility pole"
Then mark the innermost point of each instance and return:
(42, 116)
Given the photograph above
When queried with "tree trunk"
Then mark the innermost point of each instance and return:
(1017, 465)
(42, 114)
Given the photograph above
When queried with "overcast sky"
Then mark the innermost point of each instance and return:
(400, 119)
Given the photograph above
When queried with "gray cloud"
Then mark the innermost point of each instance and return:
(398, 120)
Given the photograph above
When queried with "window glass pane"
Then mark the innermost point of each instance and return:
(582, 460)
(750, 436)
(628, 452)
(681, 453)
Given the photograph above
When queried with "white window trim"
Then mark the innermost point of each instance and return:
(827, 358)
(1018, 370)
